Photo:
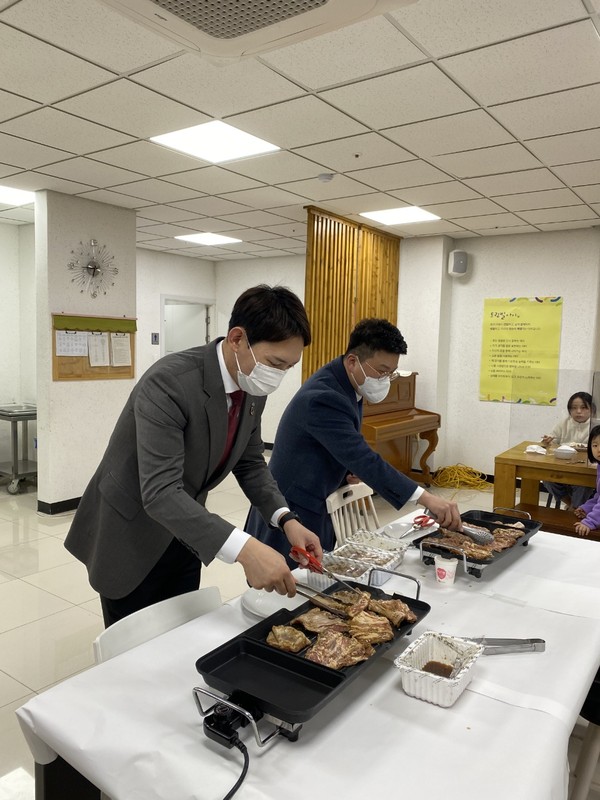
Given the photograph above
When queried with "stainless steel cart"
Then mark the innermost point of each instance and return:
(18, 469)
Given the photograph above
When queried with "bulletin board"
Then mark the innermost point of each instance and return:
(92, 348)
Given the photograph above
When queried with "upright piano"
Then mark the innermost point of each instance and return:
(389, 427)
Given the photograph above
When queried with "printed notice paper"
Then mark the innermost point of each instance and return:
(120, 350)
(98, 349)
(71, 343)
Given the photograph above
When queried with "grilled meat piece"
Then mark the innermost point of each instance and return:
(317, 621)
(329, 604)
(284, 637)
(355, 604)
(503, 539)
(456, 542)
(370, 628)
(395, 610)
(336, 650)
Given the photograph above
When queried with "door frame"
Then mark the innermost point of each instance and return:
(189, 300)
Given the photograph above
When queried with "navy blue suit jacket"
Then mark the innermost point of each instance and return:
(318, 442)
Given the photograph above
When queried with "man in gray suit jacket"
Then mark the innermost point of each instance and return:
(142, 528)
(319, 444)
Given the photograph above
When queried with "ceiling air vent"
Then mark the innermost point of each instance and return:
(236, 28)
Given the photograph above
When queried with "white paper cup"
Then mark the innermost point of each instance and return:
(445, 569)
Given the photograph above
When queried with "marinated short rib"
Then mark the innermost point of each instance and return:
(370, 628)
(284, 637)
(458, 543)
(317, 620)
(503, 539)
(395, 610)
(353, 603)
(336, 650)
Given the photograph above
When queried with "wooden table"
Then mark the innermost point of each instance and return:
(532, 468)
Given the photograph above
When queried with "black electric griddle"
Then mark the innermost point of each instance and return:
(485, 519)
(287, 686)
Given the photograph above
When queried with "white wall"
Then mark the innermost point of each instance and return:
(76, 418)
(234, 277)
(166, 274)
(562, 263)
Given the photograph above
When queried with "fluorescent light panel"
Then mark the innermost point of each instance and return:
(398, 216)
(215, 142)
(208, 238)
(15, 197)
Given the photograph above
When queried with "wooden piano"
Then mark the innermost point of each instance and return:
(389, 426)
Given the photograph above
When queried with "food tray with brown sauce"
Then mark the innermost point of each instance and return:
(290, 687)
(475, 558)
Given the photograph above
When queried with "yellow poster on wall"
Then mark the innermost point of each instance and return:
(520, 350)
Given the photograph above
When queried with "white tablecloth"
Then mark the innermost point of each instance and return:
(130, 725)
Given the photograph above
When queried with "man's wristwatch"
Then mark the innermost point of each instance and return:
(286, 518)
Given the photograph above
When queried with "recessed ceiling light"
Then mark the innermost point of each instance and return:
(208, 238)
(397, 216)
(215, 142)
(15, 197)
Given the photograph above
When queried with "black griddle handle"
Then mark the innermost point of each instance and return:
(398, 575)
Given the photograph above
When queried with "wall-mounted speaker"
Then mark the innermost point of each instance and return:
(457, 263)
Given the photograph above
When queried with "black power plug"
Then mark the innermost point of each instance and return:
(222, 724)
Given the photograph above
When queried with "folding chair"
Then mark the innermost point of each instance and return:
(351, 508)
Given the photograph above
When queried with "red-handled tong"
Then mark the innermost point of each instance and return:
(314, 565)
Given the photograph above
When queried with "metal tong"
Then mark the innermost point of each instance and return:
(494, 647)
(297, 553)
(303, 590)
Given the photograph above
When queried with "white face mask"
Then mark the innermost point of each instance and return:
(373, 389)
(262, 380)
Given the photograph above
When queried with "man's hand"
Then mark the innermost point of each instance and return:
(265, 568)
(446, 513)
(299, 536)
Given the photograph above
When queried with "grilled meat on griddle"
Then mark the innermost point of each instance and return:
(317, 620)
(370, 628)
(395, 610)
(284, 637)
(336, 650)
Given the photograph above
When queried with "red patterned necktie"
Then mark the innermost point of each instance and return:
(233, 418)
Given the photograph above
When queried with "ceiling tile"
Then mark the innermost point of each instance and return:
(78, 26)
(55, 128)
(591, 194)
(582, 174)
(487, 161)
(41, 72)
(211, 206)
(314, 189)
(508, 231)
(375, 201)
(281, 241)
(253, 219)
(245, 234)
(85, 170)
(140, 236)
(436, 193)
(490, 221)
(212, 180)
(168, 230)
(450, 134)
(433, 228)
(208, 224)
(291, 229)
(148, 158)
(464, 24)
(273, 254)
(560, 112)
(567, 148)
(264, 197)
(35, 182)
(113, 198)
(159, 213)
(132, 109)
(28, 155)
(276, 167)
(356, 152)
(11, 105)
(156, 191)
(6, 220)
(466, 208)
(6, 169)
(20, 214)
(515, 182)
(296, 212)
(557, 59)
(296, 123)
(550, 198)
(563, 226)
(559, 214)
(218, 89)
(365, 48)
(407, 96)
(397, 176)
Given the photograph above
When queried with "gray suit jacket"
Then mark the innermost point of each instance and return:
(160, 464)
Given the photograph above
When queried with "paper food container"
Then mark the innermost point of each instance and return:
(440, 648)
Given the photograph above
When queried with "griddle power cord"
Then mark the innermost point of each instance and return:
(244, 751)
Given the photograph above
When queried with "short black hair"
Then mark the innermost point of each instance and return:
(586, 399)
(270, 314)
(593, 433)
(371, 335)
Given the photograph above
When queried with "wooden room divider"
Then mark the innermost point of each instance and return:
(351, 273)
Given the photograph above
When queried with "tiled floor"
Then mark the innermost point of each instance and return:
(49, 615)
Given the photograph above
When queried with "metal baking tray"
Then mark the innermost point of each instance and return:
(291, 688)
(486, 519)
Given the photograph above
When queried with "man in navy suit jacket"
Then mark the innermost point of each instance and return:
(319, 441)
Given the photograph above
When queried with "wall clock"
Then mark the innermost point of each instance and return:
(93, 268)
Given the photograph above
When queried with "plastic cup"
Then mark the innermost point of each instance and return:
(445, 569)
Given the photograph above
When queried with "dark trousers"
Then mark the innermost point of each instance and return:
(176, 572)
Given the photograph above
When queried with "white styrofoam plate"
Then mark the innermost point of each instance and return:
(263, 604)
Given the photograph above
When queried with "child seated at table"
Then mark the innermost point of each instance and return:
(589, 513)
(575, 429)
